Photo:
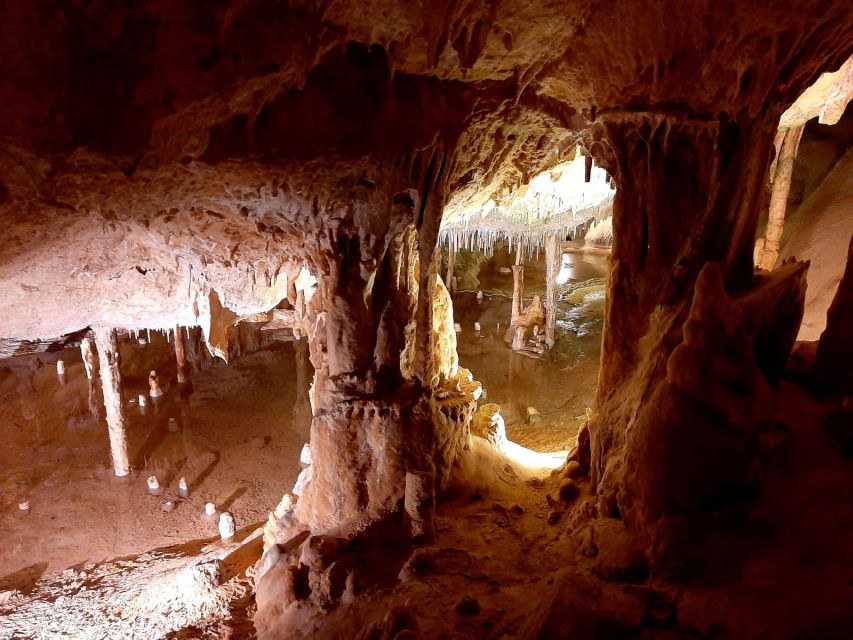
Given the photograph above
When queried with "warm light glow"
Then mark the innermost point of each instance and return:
(533, 459)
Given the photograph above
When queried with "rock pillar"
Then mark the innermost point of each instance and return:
(451, 265)
(180, 355)
(517, 292)
(767, 248)
(683, 362)
(370, 328)
(107, 344)
(87, 351)
(553, 256)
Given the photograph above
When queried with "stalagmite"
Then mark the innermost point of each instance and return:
(227, 526)
(767, 248)
(420, 503)
(183, 489)
(518, 338)
(209, 508)
(107, 344)
(552, 267)
(154, 384)
(60, 368)
(87, 350)
(451, 264)
(180, 356)
(517, 291)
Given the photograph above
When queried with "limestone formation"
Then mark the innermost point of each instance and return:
(553, 257)
(107, 344)
(87, 350)
(180, 355)
(420, 503)
(227, 527)
(767, 248)
(155, 390)
(174, 164)
(489, 424)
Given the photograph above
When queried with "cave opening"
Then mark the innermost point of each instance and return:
(497, 320)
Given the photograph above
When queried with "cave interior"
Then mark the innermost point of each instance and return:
(453, 319)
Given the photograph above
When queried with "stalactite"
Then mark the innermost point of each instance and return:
(767, 248)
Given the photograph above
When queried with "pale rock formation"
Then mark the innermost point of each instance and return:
(107, 344)
(488, 423)
(87, 351)
(227, 526)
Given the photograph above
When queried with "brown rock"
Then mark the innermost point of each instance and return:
(568, 490)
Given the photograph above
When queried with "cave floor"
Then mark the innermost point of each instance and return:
(497, 569)
(236, 439)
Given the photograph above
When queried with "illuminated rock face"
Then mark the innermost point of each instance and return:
(172, 164)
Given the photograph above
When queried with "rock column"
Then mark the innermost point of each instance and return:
(687, 204)
(451, 264)
(552, 268)
(517, 285)
(107, 343)
(767, 248)
(180, 355)
(87, 350)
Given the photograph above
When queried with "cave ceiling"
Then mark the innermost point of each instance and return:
(161, 157)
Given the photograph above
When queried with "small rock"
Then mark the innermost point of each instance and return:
(153, 485)
(619, 556)
(533, 415)
(302, 481)
(399, 619)
(572, 469)
(168, 506)
(305, 454)
(516, 510)
(467, 606)
(568, 490)
(183, 489)
(554, 517)
(319, 551)
(227, 527)
(419, 564)
(209, 508)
